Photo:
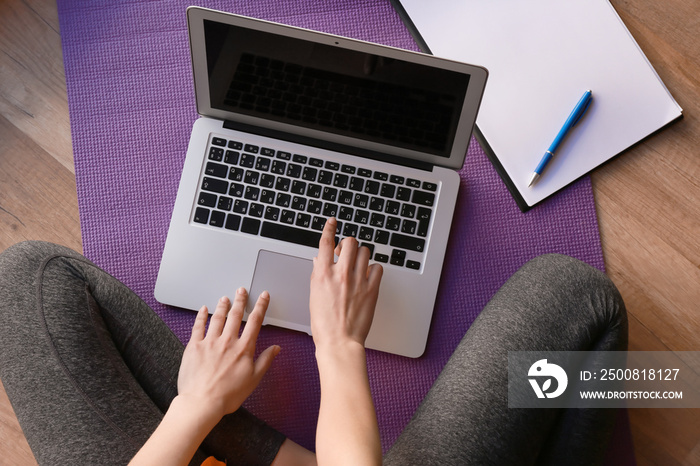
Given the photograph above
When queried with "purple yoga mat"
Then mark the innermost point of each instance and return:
(132, 108)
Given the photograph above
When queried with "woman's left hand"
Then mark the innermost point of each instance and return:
(218, 370)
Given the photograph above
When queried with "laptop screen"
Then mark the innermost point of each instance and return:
(332, 89)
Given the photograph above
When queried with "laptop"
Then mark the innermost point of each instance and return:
(297, 126)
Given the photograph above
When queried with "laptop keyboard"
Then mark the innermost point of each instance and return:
(284, 196)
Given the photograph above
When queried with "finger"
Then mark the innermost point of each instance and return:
(235, 315)
(200, 324)
(327, 243)
(255, 320)
(348, 253)
(374, 276)
(216, 323)
(362, 261)
(264, 361)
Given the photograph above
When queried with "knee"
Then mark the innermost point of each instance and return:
(20, 262)
(569, 280)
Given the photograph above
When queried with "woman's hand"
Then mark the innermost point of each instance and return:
(343, 294)
(342, 302)
(217, 373)
(218, 370)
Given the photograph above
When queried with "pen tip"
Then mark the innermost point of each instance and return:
(533, 178)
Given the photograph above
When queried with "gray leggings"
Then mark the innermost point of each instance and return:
(90, 369)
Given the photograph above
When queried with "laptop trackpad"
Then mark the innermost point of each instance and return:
(287, 279)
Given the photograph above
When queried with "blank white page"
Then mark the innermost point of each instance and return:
(541, 56)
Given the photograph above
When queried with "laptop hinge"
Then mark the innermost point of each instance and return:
(307, 141)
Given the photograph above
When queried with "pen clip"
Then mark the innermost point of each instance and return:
(590, 99)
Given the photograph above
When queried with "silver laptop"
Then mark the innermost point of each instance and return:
(297, 126)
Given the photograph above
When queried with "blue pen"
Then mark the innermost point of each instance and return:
(575, 116)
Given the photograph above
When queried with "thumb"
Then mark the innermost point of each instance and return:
(264, 361)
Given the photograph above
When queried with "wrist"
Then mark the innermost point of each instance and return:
(194, 412)
(336, 350)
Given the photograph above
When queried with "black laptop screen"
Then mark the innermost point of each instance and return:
(333, 89)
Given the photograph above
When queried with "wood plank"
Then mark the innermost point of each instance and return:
(14, 447)
(38, 199)
(32, 82)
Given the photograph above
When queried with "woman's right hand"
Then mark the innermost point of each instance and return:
(343, 293)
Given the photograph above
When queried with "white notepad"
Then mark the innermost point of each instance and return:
(541, 56)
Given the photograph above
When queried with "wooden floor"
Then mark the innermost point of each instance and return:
(648, 200)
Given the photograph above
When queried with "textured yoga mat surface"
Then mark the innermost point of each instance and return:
(132, 108)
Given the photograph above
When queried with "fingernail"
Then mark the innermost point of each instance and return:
(240, 290)
(265, 295)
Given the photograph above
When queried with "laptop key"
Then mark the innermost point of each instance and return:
(247, 161)
(207, 199)
(225, 203)
(369, 246)
(303, 220)
(256, 210)
(231, 157)
(214, 185)
(267, 180)
(408, 226)
(366, 234)
(233, 222)
(398, 257)
(423, 221)
(218, 141)
(216, 153)
(325, 177)
(217, 218)
(357, 184)
(287, 216)
(201, 215)
(330, 210)
(429, 186)
(345, 213)
(413, 265)
(309, 174)
(407, 242)
(381, 237)
(251, 148)
(317, 224)
(381, 258)
(350, 230)
(216, 169)
(392, 207)
(314, 206)
(236, 174)
(240, 206)
(272, 213)
(291, 234)
(403, 194)
(361, 216)
(372, 187)
(388, 190)
(423, 198)
(236, 190)
(250, 225)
